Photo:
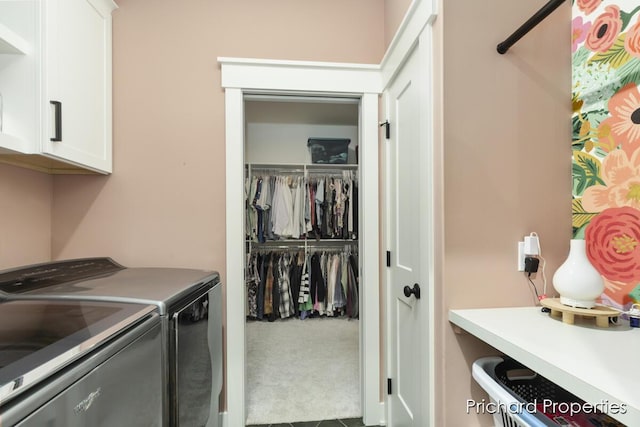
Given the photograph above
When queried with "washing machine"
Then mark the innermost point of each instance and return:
(189, 303)
(79, 363)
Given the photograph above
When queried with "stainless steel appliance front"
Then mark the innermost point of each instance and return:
(72, 363)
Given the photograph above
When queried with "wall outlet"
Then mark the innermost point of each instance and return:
(521, 256)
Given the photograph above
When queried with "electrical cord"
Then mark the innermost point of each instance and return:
(627, 312)
(544, 275)
(544, 263)
(533, 285)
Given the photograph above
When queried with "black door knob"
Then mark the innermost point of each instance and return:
(415, 291)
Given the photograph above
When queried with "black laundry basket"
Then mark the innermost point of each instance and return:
(528, 385)
(512, 386)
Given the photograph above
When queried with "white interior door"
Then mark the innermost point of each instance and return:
(407, 225)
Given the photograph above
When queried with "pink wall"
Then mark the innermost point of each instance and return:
(164, 203)
(507, 169)
(25, 216)
(394, 12)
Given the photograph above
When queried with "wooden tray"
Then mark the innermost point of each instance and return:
(600, 312)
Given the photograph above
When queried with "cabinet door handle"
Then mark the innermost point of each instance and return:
(57, 105)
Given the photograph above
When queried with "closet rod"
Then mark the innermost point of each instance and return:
(331, 242)
(332, 245)
(297, 167)
(275, 247)
(314, 171)
(528, 26)
(299, 248)
(329, 169)
(276, 169)
(301, 242)
(273, 243)
(319, 174)
(332, 165)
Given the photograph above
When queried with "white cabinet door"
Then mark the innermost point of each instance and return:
(77, 66)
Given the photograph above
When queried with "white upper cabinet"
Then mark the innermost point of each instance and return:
(55, 80)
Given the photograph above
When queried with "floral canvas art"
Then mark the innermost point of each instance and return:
(606, 142)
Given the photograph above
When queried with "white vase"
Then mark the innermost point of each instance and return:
(576, 280)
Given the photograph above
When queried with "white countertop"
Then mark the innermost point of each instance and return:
(593, 363)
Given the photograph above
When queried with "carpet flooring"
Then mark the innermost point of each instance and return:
(352, 422)
(302, 370)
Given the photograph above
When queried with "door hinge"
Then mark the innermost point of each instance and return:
(388, 258)
(387, 129)
(389, 389)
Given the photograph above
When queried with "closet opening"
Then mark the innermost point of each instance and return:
(303, 294)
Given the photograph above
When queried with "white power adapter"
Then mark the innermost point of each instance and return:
(531, 246)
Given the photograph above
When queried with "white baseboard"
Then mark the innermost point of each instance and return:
(375, 416)
(383, 415)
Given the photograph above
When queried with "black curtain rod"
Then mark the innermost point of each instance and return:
(528, 26)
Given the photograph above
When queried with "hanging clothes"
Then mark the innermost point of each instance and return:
(268, 290)
(283, 284)
(283, 206)
(352, 287)
(285, 305)
(252, 280)
(314, 206)
(305, 303)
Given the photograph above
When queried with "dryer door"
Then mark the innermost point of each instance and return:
(192, 370)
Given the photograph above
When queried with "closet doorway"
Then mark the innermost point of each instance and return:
(302, 268)
(265, 105)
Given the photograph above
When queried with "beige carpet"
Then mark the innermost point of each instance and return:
(302, 370)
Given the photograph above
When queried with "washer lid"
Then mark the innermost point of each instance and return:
(40, 337)
(101, 279)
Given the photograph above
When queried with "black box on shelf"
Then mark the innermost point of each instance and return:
(329, 150)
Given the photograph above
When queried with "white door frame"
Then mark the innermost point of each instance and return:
(240, 76)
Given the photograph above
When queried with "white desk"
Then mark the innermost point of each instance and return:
(593, 363)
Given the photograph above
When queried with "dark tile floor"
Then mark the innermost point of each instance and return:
(351, 422)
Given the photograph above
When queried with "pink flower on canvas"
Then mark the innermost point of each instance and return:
(632, 40)
(621, 175)
(624, 122)
(588, 6)
(605, 30)
(618, 292)
(579, 32)
(613, 244)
